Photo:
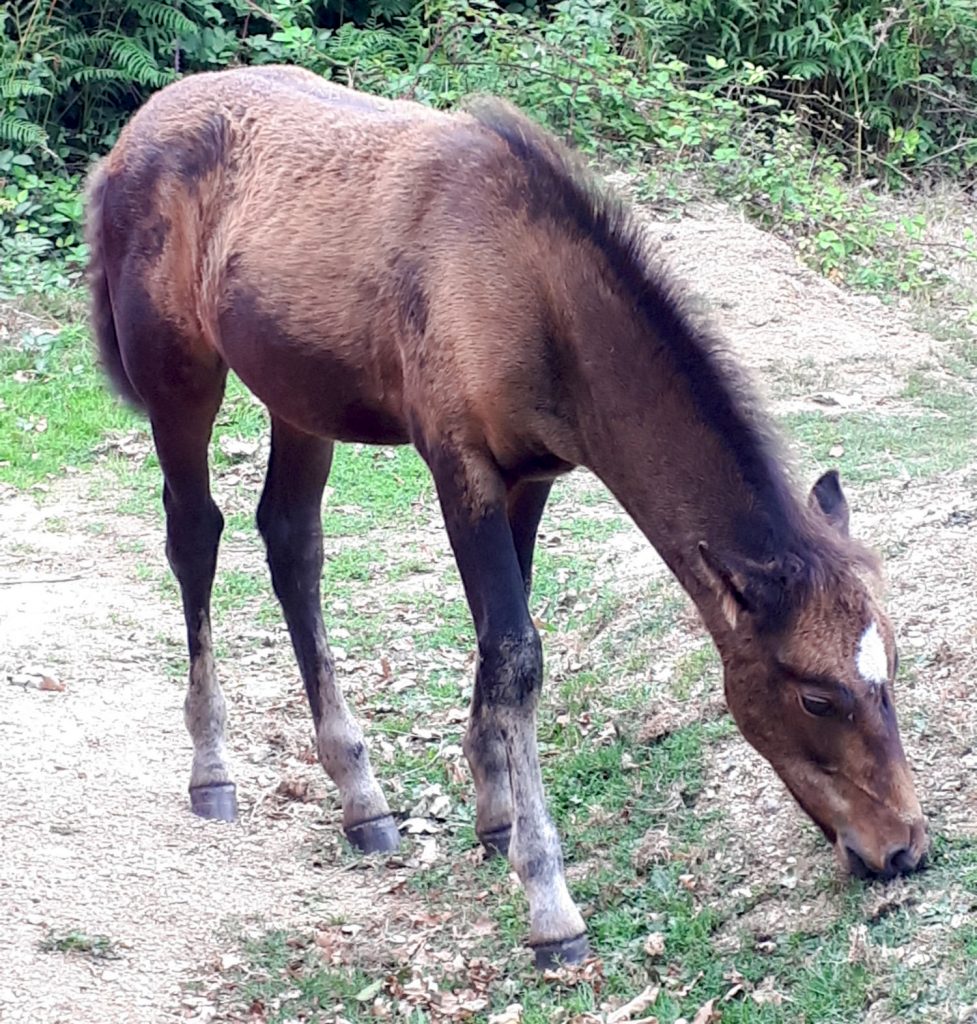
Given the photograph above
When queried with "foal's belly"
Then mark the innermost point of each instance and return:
(330, 386)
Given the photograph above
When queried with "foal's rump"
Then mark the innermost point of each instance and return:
(294, 230)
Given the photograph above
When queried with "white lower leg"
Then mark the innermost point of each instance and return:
(343, 754)
(534, 850)
(205, 715)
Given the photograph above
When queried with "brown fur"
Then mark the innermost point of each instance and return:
(378, 272)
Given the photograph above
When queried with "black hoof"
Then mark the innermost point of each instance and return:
(550, 955)
(218, 802)
(378, 835)
(496, 842)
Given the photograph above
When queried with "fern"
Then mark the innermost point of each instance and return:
(88, 75)
(19, 88)
(163, 16)
(22, 132)
(139, 63)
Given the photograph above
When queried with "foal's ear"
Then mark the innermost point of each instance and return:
(728, 584)
(827, 496)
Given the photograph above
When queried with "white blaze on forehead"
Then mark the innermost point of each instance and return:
(871, 660)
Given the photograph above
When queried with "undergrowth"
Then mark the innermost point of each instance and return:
(615, 79)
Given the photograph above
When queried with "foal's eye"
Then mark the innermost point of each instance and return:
(819, 706)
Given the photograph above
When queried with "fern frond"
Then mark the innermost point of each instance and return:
(17, 88)
(164, 16)
(20, 132)
(84, 75)
(139, 63)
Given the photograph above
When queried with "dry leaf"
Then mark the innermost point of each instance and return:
(639, 1004)
(512, 1014)
(295, 789)
(655, 945)
(765, 994)
(237, 448)
(705, 1014)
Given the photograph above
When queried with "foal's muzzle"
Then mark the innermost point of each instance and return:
(898, 859)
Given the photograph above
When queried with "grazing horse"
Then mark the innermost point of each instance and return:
(379, 272)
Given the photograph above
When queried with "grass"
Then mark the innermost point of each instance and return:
(868, 448)
(95, 947)
(54, 407)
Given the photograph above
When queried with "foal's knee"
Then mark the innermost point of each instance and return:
(293, 543)
(511, 669)
(192, 536)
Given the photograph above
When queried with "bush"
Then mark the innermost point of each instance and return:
(888, 85)
(589, 70)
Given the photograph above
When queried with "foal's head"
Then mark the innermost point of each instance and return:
(809, 666)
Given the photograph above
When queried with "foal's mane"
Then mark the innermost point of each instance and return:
(557, 186)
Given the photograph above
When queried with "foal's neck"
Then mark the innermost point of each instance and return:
(685, 455)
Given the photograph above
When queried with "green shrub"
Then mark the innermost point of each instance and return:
(591, 70)
(888, 85)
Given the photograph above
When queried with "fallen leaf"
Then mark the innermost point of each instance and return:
(366, 995)
(655, 945)
(637, 1005)
(295, 789)
(512, 1014)
(237, 448)
(705, 1014)
(765, 994)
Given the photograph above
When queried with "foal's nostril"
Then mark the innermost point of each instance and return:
(856, 865)
(900, 862)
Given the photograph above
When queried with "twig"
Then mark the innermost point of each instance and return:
(40, 579)
(960, 145)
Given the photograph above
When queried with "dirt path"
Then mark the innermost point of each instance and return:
(94, 828)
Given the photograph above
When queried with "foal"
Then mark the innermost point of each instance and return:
(378, 272)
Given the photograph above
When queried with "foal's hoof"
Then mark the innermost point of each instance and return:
(218, 801)
(496, 842)
(550, 955)
(378, 835)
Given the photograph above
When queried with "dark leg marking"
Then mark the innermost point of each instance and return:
(289, 518)
(484, 746)
(193, 530)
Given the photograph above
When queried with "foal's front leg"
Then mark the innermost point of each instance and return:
(289, 518)
(484, 746)
(507, 686)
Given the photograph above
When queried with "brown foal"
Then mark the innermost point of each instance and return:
(375, 271)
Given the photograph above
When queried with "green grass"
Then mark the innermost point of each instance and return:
(936, 438)
(819, 976)
(882, 447)
(54, 407)
(96, 947)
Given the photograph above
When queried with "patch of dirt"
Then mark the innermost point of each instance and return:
(96, 832)
(97, 836)
(812, 344)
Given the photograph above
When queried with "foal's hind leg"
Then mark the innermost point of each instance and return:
(484, 746)
(289, 518)
(507, 686)
(193, 528)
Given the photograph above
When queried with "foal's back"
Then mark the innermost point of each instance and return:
(355, 260)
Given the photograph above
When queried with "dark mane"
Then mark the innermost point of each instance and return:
(562, 188)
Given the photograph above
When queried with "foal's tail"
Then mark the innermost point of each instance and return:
(102, 316)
